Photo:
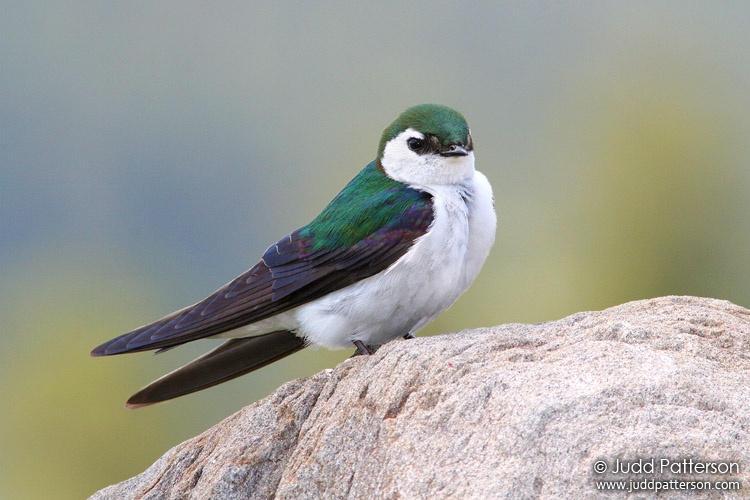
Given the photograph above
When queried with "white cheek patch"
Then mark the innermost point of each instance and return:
(404, 165)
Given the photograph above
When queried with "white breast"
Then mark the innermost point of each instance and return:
(418, 287)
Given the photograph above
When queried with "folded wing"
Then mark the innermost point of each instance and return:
(292, 272)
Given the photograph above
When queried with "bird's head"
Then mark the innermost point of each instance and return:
(427, 145)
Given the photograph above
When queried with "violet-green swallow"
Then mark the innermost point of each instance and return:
(395, 248)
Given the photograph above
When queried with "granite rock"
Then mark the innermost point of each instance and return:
(512, 411)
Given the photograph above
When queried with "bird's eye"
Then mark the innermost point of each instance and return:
(415, 143)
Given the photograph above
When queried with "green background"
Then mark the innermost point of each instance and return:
(151, 151)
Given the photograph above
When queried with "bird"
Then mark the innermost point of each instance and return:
(394, 249)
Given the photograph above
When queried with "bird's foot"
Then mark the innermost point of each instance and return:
(362, 349)
(409, 336)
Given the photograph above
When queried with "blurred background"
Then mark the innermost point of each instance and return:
(150, 152)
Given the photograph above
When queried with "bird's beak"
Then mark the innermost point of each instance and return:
(454, 150)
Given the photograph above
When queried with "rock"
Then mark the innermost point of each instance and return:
(513, 411)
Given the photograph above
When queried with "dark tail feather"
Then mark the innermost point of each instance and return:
(230, 360)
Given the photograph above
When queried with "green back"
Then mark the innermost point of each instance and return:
(370, 202)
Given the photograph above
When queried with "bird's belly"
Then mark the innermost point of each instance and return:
(377, 309)
(400, 300)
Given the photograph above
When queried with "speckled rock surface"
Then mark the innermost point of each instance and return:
(513, 411)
